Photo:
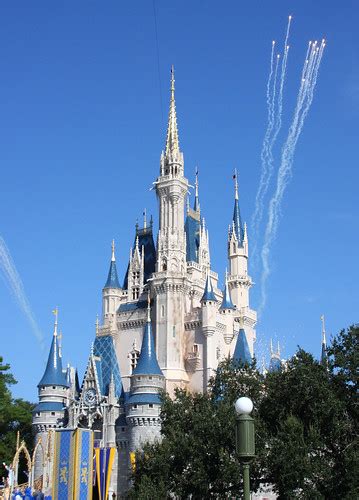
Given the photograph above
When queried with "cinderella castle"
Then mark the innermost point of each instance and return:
(167, 324)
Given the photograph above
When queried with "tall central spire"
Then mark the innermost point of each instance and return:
(172, 143)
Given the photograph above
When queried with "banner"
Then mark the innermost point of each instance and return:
(64, 455)
(104, 463)
(83, 465)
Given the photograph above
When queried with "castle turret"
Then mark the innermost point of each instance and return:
(275, 363)
(227, 304)
(53, 389)
(209, 314)
(241, 352)
(239, 281)
(111, 292)
(144, 404)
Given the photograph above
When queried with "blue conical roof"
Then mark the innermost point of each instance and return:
(274, 364)
(237, 222)
(147, 362)
(208, 294)
(53, 373)
(112, 278)
(241, 352)
(227, 301)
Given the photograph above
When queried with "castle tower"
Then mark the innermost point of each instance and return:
(111, 293)
(143, 406)
(53, 391)
(239, 282)
(275, 363)
(209, 313)
(169, 280)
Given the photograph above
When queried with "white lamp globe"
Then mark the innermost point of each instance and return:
(243, 406)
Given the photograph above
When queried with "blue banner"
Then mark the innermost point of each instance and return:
(84, 463)
(62, 488)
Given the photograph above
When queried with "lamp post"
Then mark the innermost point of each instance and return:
(245, 439)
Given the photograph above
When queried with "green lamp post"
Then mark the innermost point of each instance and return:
(245, 439)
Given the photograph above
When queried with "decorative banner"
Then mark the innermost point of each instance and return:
(63, 480)
(83, 466)
(104, 463)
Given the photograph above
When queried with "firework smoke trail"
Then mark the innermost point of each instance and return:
(258, 211)
(8, 269)
(305, 97)
(271, 134)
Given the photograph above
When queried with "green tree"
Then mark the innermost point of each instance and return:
(15, 415)
(196, 457)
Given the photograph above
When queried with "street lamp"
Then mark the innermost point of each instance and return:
(245, 439)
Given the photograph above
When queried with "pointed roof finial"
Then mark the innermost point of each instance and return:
(144, 219)
(113, 258)
(148, 307)
(172, 143)
(324, 340)
(235, 177)
(196, 197)
(97, 325)
(56, 313)
(112, 278)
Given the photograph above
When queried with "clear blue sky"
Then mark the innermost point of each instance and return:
(82, 128)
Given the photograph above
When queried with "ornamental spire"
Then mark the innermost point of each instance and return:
(112, 278)
(323, 357)
(172, 143)
(237, 226)
(196, 207)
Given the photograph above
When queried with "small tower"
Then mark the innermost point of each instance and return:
(239, 282)
(323, 356)
(275, 363)
(53, 393)
(136, 271)
(111, 292)
(209, 305)
(193, 228)
(242, 352)
(144, 404)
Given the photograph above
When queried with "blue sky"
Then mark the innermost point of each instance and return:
(82, 124)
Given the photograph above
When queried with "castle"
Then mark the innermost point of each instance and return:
(167, 325)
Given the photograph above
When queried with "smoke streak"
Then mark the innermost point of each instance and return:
(271, 134)
(304, 100)
(13, 280)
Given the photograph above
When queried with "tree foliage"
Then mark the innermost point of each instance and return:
(15, 415)
(306, 422)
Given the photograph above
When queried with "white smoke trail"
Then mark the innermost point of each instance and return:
(13, 280)
(258, 210)
(270, 137)
(304, 100)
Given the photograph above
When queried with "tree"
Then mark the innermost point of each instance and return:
(306, 422)
(15, 415)
(196, 457)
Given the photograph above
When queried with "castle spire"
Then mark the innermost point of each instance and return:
(53, 374)
(242, 353)
(237, 226)
(147, 362)
(227, 301)
(196, 206)
(208, 294)
(172, 142)
(112, 278)
(323, 357)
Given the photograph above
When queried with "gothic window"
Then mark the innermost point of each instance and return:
(150, 405)
(162, 311)
(164, 265)
(53, 413)
(218, 352)
(174, 331)
(135, 293)
(195, 349)
(234, 247)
